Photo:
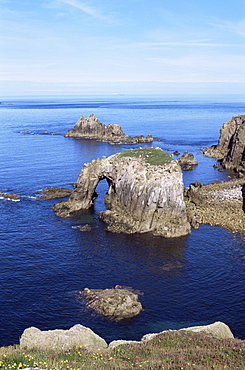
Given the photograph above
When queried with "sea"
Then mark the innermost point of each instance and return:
(45, 260)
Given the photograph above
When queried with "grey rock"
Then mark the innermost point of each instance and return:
(116, 343)
(115, 304)
(54, 192)
(230, 150)
(91, 128)
(142, 197)
(217, 329)
(10, 196)
(76, 336)
(187, 161)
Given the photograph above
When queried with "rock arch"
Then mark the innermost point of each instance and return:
(141, 197)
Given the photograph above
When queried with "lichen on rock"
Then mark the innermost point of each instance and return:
(142, 197)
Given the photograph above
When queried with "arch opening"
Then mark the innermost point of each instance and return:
(104, 187)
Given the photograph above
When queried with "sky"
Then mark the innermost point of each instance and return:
(66, 47)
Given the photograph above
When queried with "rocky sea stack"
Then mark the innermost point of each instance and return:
(145, 193)
(230, 150)
(91, 128)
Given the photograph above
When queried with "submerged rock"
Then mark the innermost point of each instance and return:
(10, 196)
(54, 192)
(145, 193)
(91, 128)
(115, 304)
(230, 150)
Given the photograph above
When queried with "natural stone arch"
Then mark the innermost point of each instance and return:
(142, 197)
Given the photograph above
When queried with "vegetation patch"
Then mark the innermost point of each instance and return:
(169, 350)
(152, 155)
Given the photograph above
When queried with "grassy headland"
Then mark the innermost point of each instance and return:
(169, 350)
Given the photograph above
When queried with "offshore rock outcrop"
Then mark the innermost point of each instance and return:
(230, 150)
(145, 193)
(91, 128)
(187, 161)
(115, 303)
(54, 192)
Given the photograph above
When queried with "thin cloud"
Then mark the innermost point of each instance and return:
(84, 8)
(237, 28)
(180, 43)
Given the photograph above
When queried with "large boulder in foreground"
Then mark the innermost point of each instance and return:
(218, 329)
(91, 128)
(76, 336)
(230, 150)
(115, 304)
(145, 193)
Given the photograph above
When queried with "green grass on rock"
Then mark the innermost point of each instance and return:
(152, 155)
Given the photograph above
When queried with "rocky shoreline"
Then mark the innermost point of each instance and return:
(218, 204)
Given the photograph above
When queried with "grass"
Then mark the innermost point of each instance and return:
(174, 350)
(152, 155)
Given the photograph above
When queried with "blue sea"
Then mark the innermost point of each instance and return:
(193, 280)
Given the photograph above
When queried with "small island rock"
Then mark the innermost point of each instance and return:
(91, 128)
(115, 304)
(187, 161)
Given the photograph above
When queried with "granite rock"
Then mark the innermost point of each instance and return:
(187, 161)
(115, 304)
(142, 197)
(230, 150)
(91, 128)
(76, 336)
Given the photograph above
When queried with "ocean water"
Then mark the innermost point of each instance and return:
(193, 280)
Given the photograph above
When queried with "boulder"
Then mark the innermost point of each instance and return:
(217, 329)
(230, 150)
(187, 161)
(145, 193)
(116, 343)
(78, 335)
(91, 128)
(115, 304)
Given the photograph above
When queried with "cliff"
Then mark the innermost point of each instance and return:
(230, 150)
(91, 128)
(145, 193)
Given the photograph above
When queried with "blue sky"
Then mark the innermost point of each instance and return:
(124, 46)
